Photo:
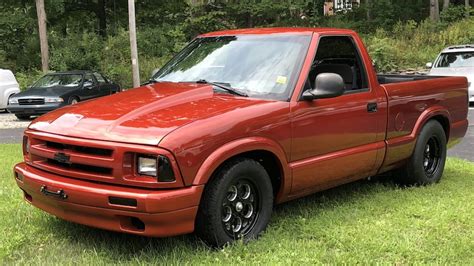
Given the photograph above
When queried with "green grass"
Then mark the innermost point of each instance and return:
(364, 222)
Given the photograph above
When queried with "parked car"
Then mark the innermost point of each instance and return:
(8, 87)
(456, 61)
(59, 89)
(238, 121)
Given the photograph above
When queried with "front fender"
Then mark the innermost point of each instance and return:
(240, 146)
(6, 94)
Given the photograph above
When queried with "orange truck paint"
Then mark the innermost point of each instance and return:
(198, 130)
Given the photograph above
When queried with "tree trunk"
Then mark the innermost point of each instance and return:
(367, 6)
(467, 8)
(434, 10)
(102, 16)
(133, 43)
(445, 4)
(42, 35)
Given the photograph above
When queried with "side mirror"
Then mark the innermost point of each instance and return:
(327, 85)
(429, 65)
(154, 72)
(88, 85)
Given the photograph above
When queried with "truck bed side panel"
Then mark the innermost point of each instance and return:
(411, 104)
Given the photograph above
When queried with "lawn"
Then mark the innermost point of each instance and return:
(364, 222)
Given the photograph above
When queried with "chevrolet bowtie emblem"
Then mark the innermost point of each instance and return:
(62, 158)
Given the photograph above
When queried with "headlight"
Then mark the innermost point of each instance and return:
(26, 145)
(12, 101)
(53, 100)
(155, 166)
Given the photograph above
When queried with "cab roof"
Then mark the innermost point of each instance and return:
(302, 31)
(459, 48)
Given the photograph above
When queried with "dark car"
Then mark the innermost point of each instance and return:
(59, 89)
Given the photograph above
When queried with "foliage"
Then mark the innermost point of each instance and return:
(396, 31)
(412, 44)
(367, 222)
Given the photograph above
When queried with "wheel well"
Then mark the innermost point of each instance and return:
(444, 123)
(270, 163)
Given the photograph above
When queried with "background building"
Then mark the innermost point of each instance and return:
(333, 6)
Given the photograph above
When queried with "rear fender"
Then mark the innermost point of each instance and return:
(236, 147)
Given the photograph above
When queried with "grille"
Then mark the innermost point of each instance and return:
(32, 101)
(79, 149)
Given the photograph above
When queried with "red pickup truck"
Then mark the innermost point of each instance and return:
(238, 121)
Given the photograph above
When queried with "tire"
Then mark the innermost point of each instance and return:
(73, 100)
(236, 204)
(426, 165)
(23, 117)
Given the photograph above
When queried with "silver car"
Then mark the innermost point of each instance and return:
(8, 87)
(456, 61)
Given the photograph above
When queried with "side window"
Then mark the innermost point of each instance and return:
(89, 78)
(339, 54)
(100, 78)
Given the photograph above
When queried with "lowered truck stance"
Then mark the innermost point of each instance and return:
(238, 121)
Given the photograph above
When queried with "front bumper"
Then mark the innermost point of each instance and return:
(160, 212)
(33, 109)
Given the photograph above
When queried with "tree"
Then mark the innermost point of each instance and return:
(467, 8)
(445, 5)
(434, 10)
(42, 35)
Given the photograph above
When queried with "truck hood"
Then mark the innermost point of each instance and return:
(143, 115)
(55, 91)
(454, 71)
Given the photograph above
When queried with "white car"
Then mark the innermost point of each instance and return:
(8, 87)
(456, 61)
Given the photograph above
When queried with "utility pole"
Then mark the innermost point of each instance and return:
(445, 5)
(42, 35)
(133, 43)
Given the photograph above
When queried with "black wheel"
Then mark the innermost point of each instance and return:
(23, 117)
(73, 100)
(236, 204)
(426, 165)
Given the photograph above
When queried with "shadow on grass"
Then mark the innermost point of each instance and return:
(124, 247)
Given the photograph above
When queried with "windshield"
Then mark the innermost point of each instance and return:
(464, 59)
(63, 80)
(260, 66)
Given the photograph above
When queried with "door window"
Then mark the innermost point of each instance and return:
(339, 54)
(100, 78)
(89, 78)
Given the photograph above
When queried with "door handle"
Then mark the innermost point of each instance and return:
(372, 107)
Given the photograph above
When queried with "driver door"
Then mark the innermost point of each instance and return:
(335, 139)
(89, 92)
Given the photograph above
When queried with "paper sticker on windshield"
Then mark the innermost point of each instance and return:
(281, 80)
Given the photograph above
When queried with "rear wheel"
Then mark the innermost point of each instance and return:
(426, 165)
(23, 117)
(237, 204)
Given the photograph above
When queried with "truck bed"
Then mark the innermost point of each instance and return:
(397, 78)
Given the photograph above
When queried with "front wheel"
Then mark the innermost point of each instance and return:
(426, 165)
(23, 117)
(236, 204)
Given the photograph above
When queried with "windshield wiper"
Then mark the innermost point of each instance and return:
(150, 81)
(227, 88)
